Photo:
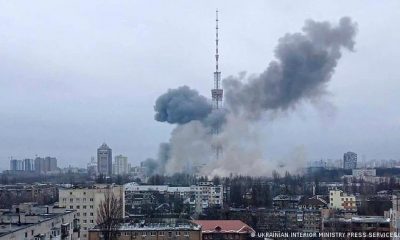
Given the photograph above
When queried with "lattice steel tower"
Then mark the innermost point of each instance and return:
(217, 92)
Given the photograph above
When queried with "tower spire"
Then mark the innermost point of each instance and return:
(217, 92)
(216, 41)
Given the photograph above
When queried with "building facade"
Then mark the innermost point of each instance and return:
(22, 165)
(208, 195)
(19, 193)
(153, 230)
(45, 165)
(86, 201)
(121, 166)
(350, 160)
(104, 160)
(363, 172)
(31, 222)
(225, 229)
(342, 201)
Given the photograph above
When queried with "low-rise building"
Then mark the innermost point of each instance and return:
(153, 229)
(199, 197)
(225, 229)
(363, 227)
(362, 172)
(286, 201)
(342, 201)
(20, 193)
(31, 222)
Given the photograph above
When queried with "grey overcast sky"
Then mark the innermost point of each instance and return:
(74, 74)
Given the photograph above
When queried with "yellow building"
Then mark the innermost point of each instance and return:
(342, 201)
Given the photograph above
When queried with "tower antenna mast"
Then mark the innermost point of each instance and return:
(217, 91)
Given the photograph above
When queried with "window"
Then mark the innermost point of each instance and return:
(177, 233)
(91, 221)
(71, 199)
(91, 199)
(84, 221)
(84, 206)
(91, 214)
(91, 206)
(71, 207)
(84, 214)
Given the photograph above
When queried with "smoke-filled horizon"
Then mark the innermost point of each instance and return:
(304, 64)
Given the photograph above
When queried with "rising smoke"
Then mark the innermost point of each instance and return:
(181, 106)
(305, 62)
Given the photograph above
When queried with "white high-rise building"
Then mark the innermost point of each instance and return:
(121, 166)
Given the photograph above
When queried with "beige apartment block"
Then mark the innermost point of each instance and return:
(86, 202)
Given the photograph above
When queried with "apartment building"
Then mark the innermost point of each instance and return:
(208, 195)
(154, 229)
(86, 202)
(30, 221)
(342, 201)
(202, 195)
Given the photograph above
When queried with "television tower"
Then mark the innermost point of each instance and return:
(217, 91)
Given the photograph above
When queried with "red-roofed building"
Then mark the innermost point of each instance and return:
(224, 229)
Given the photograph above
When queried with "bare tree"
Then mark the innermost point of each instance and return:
(109, 215)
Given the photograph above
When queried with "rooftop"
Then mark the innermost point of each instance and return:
(157, 225)
(224, 226)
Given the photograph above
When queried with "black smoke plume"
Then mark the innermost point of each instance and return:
(181, 106)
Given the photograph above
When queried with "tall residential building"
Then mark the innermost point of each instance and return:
(86, 202)
(29, 164)
(21, 165)
(121, 165)
(15, 165)
(92, 167)
(350, 160)
(104, 160)
(45, 165)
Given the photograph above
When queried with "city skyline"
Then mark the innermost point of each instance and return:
(71, 83)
